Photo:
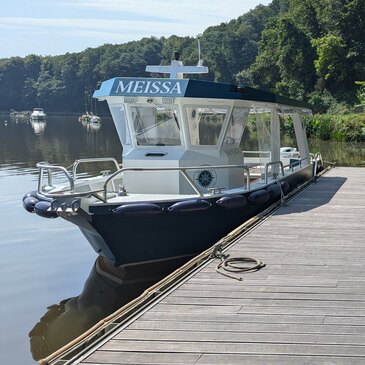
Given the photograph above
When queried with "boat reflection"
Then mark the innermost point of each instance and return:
(93, 127)
(107, 289)
(38, 126)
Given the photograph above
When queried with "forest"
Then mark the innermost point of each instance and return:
(305, 49)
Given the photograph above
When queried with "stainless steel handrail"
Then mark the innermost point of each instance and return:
(46, 166)
(180, 169)
(273, 163)
(293, 164)
(317, 157)
(90, 160)
(71, 179)
(183, 170)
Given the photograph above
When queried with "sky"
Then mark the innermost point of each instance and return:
(55, 27)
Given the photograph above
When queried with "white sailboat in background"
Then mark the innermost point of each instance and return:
(89, 116)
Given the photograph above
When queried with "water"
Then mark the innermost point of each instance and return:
(46, 262)
(342, 153)
(43, 261)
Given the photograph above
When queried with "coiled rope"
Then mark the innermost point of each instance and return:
(230, 265)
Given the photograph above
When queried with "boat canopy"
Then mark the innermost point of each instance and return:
(189, 88)
(180, 122)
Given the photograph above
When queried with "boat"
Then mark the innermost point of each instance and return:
(20, 116)
(89, 117)
(38, 114)
(187, 178)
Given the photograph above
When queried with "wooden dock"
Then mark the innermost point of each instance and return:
(307, 306)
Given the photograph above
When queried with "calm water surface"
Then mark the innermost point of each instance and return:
(44, 262)
(49, 274)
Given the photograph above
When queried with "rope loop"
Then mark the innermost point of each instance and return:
(235, 264)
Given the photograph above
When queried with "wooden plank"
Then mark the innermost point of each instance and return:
(233, 348)
(273, 359)
(191, 309)
(266, 302)
(345, 320)
(241, 337)
(253, 295)
(273, 282)
(128, 357)
(196, 287)
(303, 311)
(313, 329)
(230, 318)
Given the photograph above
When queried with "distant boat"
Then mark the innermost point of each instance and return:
(19, 115)
(89, 117)
(38, 114)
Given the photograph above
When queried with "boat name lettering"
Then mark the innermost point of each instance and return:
(148, 87)
(232, 151)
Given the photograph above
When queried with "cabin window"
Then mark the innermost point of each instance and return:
(205, 124)
(156, 126)
(262, 118)
(256, 141)
(236, 125)
(121, 125)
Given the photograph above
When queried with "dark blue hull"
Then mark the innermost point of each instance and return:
(180, 230)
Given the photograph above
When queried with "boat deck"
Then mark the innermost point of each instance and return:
(307, 306)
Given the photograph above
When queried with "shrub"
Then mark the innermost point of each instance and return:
(341, 128)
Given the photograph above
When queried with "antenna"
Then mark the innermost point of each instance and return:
(200, 61)
(177, 69)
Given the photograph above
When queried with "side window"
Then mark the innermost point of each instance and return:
(205, 124)
(236, 125)
(121, 125)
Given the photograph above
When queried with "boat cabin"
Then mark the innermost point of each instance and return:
(181, 136)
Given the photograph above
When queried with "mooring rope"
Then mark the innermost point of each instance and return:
(229, 265)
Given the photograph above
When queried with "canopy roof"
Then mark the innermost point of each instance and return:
(191, 88)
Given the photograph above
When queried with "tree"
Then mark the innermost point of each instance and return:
(330, 63)
(265, 71)
(295, 59)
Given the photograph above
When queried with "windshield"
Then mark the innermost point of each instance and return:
(156, 126)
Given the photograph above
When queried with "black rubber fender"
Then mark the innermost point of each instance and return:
(191, 205)
(274, 190)
(138, 210)
(232, 201)
(29, 202)
(41, 209)
(32, 193)
(259, 196)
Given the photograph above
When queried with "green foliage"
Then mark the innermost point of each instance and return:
(313, 50)
(330, 58)
(361, 94)
(325, 102)
(342, 128)
(285, 60)
(305, 49)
